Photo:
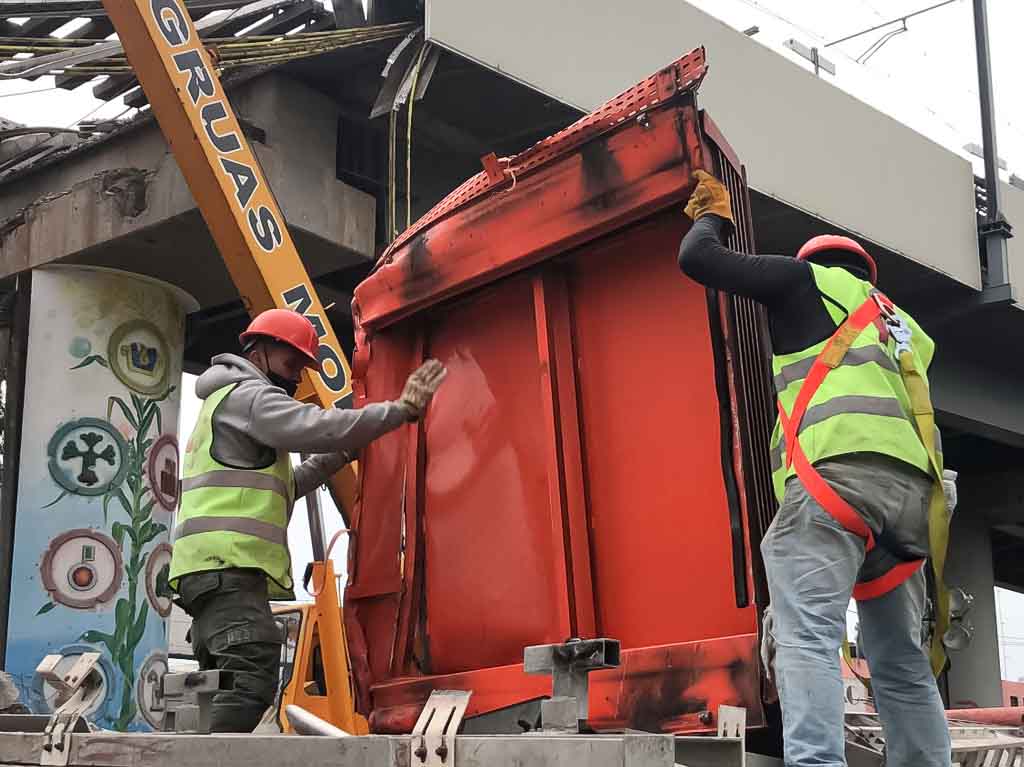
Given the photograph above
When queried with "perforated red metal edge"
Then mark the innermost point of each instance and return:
(684, 74)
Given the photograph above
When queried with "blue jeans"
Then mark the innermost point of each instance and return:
(812, 564)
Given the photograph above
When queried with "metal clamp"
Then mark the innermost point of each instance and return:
(570, 665)
(188, 698)
(77, 691)
(434, 733)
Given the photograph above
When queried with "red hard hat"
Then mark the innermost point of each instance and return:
(288, 327)
(825, 242)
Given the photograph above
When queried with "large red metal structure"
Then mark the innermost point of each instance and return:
(595, 464)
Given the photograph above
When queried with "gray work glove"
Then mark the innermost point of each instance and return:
(420, 388)
(768, 652)
(768, 644)
(949, 489)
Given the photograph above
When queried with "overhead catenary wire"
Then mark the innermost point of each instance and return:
(884, 24)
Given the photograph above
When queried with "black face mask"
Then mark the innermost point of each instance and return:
(290, 387)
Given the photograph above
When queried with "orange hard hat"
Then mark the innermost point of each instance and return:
(288, 327)
(825, 242)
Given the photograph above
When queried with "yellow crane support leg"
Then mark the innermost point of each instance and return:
(239, 208)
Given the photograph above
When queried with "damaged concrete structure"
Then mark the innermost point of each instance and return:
(122, 202)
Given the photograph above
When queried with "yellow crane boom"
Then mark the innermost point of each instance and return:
(186, 96)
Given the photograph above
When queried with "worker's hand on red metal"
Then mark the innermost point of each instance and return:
(420, 388)
(709, 196)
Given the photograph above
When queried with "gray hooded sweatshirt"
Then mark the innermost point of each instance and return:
(257, 419)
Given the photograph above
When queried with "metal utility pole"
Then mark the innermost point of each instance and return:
(995, 230)
(316, 523)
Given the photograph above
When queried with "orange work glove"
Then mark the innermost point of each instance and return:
(709, 196)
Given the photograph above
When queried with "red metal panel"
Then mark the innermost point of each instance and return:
(409, 552)
(494, 580)
(373, 554)
(658, 506)
(565, 460)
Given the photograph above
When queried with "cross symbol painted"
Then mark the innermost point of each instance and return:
(89, 457)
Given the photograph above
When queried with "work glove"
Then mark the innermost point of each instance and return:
(709, 196)
(949, 489)
(420, 388)
(768, 644)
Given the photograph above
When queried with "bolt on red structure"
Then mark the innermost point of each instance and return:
(596, 461)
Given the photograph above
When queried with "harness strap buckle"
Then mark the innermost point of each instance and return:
(898, 327)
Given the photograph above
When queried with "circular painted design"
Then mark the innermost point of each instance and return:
(138, 356)
(82, 568)
(79, 347)
(158, 566)
(162, 472)
(149, 688)
(87, 456)
(44, 695)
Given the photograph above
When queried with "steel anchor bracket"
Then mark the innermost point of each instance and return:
(77, 691)
(434, 734)
(569, 665)
(188, 698)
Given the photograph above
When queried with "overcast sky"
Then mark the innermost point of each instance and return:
(925, 78)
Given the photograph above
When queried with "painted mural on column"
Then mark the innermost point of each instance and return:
(98, 486)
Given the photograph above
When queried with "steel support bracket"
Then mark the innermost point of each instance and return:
(188, 698)
(434, 734)
(77, 690)
(570, 665)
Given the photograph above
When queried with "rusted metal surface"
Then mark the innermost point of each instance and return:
(1006, 716)
(684, 74)
(671, 688)
(587, 468)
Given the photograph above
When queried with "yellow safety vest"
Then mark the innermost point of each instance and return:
(232, 518)
(863, 405)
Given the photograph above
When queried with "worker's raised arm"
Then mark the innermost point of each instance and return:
(278, 421)
(704, 258)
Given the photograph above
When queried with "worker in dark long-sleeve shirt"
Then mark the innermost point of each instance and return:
(854, 482)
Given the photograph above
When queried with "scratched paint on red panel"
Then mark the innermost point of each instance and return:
(659, 515)
(491, 571)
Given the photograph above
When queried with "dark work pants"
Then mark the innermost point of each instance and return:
(234, 630)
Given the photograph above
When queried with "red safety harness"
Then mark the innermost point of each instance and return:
(831, 356)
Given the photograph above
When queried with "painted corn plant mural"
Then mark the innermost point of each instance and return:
(136, 500)
(97, 488)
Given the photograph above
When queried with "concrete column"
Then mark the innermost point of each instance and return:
(974, 677)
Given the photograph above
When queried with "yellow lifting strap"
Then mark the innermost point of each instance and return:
(938, 517)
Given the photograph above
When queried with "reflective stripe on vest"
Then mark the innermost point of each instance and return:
(235, 478)
(796, 371)
(243, 525)
(814, 416)
(232, 518)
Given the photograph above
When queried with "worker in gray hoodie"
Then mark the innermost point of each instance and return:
(231, 537)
